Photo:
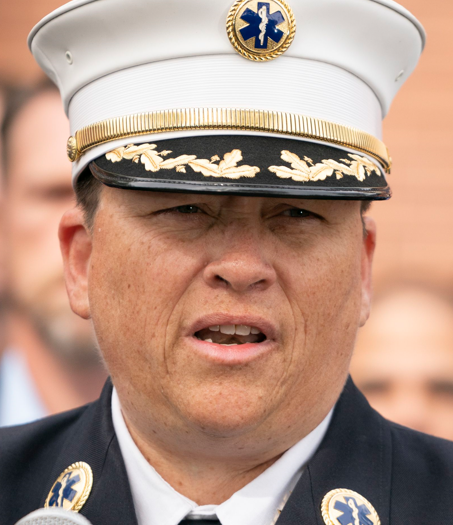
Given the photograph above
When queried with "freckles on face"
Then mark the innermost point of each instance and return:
(136, 276)
(324, 290)
(178, 283)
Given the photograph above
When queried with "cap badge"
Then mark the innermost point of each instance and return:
(261, 30)
(72, 488)
(346, 507)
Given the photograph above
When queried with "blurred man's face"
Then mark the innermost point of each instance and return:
(404, 361)
(230, 315)
(38, 192)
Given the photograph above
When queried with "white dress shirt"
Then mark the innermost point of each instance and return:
(258, 503)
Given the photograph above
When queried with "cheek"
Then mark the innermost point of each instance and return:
(137, 282)
(324, 289)
(32, 277)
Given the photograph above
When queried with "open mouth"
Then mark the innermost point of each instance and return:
(230, 334)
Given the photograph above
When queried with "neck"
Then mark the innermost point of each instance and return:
(60, 387)
(210, 461)
(204, 479)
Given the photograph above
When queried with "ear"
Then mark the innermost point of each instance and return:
(368, 246)
(76, 247)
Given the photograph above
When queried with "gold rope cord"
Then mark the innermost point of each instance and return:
(227, 119)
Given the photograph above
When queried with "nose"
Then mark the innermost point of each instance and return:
(240, 266)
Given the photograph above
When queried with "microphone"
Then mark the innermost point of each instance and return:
(53, 516)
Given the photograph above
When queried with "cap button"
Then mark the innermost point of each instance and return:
(71, 149)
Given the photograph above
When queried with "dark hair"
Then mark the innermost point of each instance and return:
(16, 98)
(88, 191)
(365, 206)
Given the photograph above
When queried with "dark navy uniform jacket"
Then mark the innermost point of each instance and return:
(407, 476)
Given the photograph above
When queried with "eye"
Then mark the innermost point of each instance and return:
(442, 388)
(375, 387)
(297, 212)
(198, 211)
(53, 193)
(187, 208)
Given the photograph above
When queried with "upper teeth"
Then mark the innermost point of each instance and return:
(231, 329)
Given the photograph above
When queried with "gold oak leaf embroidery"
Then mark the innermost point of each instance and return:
(154, 161)
(146, 154)
(226, 168)
(305, 170)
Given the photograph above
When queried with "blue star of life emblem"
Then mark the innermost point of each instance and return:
(346, 507)
(261, 31)
(62, 490)
(72, 487)
(353, 513)
(262, 25)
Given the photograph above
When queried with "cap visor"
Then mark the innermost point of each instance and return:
(243, 165)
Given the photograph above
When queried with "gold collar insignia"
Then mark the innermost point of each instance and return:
(346, 507)
(72, 487)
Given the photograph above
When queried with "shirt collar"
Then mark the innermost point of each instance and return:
(258, 503)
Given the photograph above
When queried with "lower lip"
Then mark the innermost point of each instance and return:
(231, 355)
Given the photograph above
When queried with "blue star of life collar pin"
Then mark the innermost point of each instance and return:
(72, 488)
(346, 507)
(261, 30)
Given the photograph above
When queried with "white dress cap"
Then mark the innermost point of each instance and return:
(113, 58)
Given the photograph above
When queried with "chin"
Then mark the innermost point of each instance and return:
(227, 413)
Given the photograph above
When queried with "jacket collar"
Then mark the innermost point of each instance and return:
(355, 455)
(93, 441)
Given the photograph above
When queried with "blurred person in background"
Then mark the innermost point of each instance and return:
(403, 361)
(2, 268)
(50, 363)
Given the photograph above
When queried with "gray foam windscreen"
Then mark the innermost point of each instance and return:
(54, 516)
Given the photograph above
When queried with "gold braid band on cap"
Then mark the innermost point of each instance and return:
(226, 119)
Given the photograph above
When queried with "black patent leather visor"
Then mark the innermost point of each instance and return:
(243, 165)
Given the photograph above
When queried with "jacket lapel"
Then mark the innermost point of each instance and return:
(93, 441)
(355, 454)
